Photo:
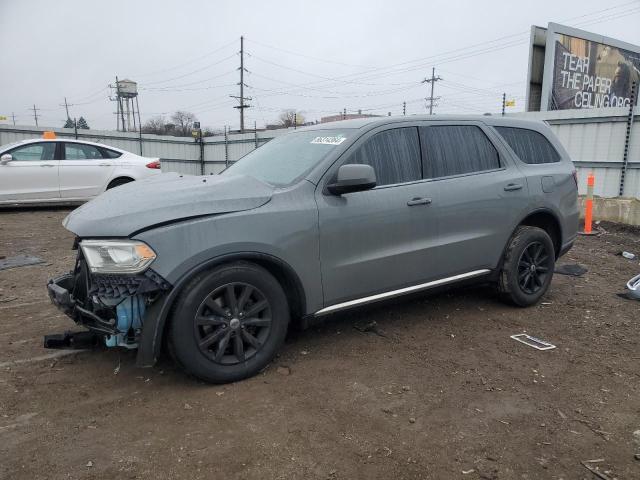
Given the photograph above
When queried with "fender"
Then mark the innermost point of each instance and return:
(155, 317)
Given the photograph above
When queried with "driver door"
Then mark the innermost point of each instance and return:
(380, 239)
(31, 175)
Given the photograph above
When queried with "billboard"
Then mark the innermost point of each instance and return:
(581, 70)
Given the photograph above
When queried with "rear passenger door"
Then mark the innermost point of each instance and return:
(481, 194)
(84, 171)
(551, 181)
(380, 239)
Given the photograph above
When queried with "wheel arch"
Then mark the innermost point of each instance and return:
(119, 177)
(548, 221)
(155, 321)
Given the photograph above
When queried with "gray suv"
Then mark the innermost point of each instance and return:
(318, 221)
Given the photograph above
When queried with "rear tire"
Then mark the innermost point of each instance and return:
(528, 266)
(119, 181)
(229, 323)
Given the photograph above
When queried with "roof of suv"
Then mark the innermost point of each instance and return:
(376, 121)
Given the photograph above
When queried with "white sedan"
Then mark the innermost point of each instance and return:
(66, 171)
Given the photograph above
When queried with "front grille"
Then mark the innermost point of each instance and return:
(115, 286)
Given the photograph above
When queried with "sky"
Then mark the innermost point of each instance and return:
(315, 57)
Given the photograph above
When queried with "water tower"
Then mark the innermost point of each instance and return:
(126, 105)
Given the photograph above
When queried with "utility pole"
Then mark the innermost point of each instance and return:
(404, 108)
(432, 81)
(344, 114)
(625, 156)
(504, 102)
(13, 116)
(139, 124)
(119, 100)
(241, 98)
(35, 113)
(66, 107)
(295, 120)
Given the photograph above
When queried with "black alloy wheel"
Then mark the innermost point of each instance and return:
(232, 323)
(527, 267)
(228, 323)
(533, 267)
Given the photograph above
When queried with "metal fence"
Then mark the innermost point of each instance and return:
(178, 154)
(596, 140)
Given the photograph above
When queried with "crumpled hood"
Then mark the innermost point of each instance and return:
(164, 199)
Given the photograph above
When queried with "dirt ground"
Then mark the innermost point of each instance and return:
(440, 391)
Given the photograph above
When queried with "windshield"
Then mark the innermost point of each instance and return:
(285, 159)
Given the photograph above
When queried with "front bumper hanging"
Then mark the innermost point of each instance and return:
(111, 306)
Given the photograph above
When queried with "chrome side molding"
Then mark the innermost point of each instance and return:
(400, 291)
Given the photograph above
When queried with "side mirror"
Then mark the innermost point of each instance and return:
(6, 158)
(353, 178)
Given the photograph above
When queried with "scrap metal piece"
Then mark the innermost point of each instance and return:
(570, 269)
(533, 341)
(19, 261)
(71, 340)
(634, 287)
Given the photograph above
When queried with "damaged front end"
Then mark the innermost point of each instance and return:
(111, 305)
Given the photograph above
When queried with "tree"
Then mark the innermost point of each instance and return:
(156, 125)
(82, 123)
(288, 117)
(68, 123)
(183, 122)
(180, 124)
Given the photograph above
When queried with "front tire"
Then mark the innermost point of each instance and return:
(528, 266)
(229, 323)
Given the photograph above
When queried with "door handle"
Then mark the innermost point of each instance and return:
(104, 164)
(418, 201)
(513, 186)
(47, 165)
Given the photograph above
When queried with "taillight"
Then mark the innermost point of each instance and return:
(575, 177)
(155, 164)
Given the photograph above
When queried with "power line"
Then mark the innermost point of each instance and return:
(188, 62)
(308, 56)
(445, 57)
(192, 72)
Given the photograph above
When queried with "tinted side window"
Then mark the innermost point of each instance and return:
(393, 154)
(80, 151)
(107, 153)
(34, 151)
(456, 149)
(529, 145)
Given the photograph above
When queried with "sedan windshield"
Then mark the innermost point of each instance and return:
(285, 159)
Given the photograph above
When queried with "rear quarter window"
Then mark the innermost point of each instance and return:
(108, 153)
(530, 146)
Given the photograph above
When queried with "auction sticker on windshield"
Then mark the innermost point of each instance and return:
(336, 140)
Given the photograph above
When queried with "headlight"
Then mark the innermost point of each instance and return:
(117, 256)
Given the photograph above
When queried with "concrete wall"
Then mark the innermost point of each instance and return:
(621, 210)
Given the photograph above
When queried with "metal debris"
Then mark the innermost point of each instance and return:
(533, 341)
(19, 261)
